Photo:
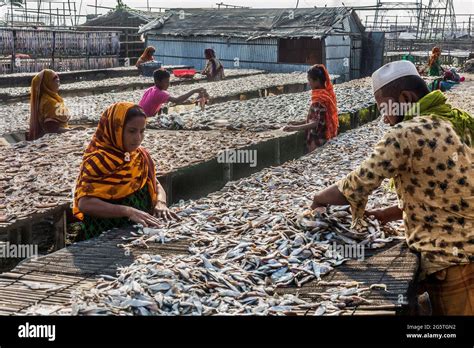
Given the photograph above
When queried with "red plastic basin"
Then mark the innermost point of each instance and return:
(184, 72)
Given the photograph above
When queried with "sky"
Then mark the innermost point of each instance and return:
(460, 6)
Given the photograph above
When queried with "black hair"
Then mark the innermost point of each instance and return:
(160, 75)
(209, 53)
(134, 111)
(316, 73)
(410, 83)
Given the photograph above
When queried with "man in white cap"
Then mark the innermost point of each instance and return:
(428, 154)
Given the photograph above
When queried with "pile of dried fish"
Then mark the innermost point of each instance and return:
(88, 109)
(265, 113)
(36, 176)
(461, 95)
(198, 285)
(117, 82)
(247, 240)
(252, 115)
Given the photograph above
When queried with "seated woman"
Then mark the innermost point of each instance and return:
(48, 112)
(214, 69)
(146, 57)
(322, 121)
(434, 64)
(117, 182)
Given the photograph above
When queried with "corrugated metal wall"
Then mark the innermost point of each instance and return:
(340, 57)
(257, 54)
(338, 53)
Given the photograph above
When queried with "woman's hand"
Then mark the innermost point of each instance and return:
(79, 128)
(141, 217)
(289, 128)
(163, 212)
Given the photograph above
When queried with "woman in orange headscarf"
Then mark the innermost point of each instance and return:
(434, 64)
(146, 57)
(322, 122)
(48, 112)
(117, 181)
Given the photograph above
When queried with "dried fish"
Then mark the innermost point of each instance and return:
(39, 176)
(120, 83)
(254, 114)
(246, 241)
(250, 239)
(88, 109)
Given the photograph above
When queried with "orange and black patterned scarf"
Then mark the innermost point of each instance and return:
(327, 97)
(107, 171)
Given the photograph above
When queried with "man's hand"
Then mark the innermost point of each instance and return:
(329, 196)
(317, 205)
(379, 214)
(386, 215)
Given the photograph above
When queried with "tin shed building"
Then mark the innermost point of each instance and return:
(276, 40)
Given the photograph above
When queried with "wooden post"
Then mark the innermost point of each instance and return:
(70, 12)
(38, 15)
(14, 236)
(12, 68)
(75, 15)
(126, 44)
(277, 152)
(60, 231)
(228, 172)
(53, 51)
(26, 234)
(469, 28)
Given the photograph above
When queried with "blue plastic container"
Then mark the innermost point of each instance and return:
(147, 69)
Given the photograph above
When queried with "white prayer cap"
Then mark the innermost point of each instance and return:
(392, 71)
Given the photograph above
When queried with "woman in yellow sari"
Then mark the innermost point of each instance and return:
(117, 183)
(48, 112)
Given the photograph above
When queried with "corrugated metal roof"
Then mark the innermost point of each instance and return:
(253, 23)
(124, 17)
